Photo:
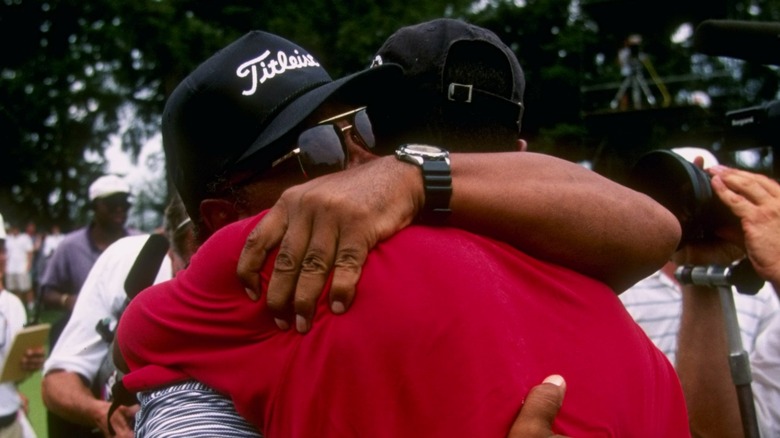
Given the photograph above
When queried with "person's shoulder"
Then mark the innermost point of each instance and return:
(128, 243)
(133, 231)
(10, 299)
(76, 235)
(124, 248)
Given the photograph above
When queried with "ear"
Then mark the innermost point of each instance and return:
(522, 145)
(216, 213)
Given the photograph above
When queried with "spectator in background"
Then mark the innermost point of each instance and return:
(12, 320)
(656, 302)
(49, 244)
(687, 322)
(703, 355)
(71, 262)
(78, 372)
(51, 241)
(37, 239)
(18, 268)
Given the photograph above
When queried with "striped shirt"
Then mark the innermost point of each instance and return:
(192, 410)
(655, 303)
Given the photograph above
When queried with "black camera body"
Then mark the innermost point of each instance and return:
(683, 189)
(756, 126)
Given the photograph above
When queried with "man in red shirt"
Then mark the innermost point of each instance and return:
(446, 327)
(447, 324)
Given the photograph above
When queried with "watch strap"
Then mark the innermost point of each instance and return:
(437, 182)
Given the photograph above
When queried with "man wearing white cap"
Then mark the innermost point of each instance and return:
(656, 301)
(687, 323)
(72, 260)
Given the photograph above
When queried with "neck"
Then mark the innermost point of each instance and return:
(668, 270)
(102, 237)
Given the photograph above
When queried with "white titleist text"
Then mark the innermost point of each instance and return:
(276, 66)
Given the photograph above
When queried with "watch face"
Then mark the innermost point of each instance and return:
(424, 149)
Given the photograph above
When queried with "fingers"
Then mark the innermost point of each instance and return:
(266, 235)
(754, 187)
(314, 272)
(287, 267)
(540, 409)
(347, 269)
(122, 421)
(33, 359)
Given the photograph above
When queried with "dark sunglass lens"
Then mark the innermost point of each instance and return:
(321, 151)
(113, 202)
(363, 127)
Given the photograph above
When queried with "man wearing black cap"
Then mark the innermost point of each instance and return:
(464, 90)
(401, 296)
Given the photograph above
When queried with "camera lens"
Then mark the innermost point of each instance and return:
(683, 189)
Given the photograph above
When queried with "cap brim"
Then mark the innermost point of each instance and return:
(365, 86)
(112, 193)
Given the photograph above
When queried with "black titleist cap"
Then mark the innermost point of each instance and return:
(437, 56)
(237, 104)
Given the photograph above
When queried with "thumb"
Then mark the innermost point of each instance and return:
(539, 409)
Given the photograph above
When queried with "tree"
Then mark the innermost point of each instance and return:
(76, 73)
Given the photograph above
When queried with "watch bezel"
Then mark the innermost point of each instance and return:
(418, 153)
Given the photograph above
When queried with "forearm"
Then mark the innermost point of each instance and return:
(703, 366)
(65, 394)
(561, 212)
(55, 299)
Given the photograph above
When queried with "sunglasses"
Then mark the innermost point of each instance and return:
(322, 149)
(116, 201)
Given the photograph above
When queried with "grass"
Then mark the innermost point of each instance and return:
(37, 413)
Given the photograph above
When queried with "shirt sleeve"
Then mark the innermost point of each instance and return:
(80, 348)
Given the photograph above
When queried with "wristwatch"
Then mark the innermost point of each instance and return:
(437, 180)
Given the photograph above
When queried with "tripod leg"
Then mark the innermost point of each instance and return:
(739, 364)
(646, 90)
(621, 93)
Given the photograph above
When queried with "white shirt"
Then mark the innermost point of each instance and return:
(19, 248)
(12, 319)
(765, 366)
(80, 348)
(50, 243)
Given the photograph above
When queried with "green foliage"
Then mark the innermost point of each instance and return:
(75, 73)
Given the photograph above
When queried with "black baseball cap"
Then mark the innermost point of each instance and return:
(236, 106)
(437, 55)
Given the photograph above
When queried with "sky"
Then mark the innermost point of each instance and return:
(140, 176)
(137, 175)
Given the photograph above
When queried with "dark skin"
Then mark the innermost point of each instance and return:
(329, 225)
(538, 412)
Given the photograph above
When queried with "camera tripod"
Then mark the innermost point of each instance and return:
(636, 81)
(743, 277)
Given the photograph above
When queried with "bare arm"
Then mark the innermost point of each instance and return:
(550, 208)
(561, 212)
(55, 299)
(65, 394)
